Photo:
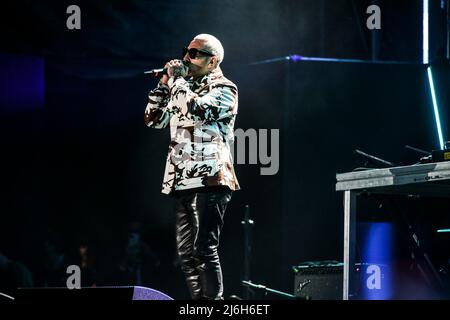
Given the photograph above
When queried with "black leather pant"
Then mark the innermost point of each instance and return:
(199, 215)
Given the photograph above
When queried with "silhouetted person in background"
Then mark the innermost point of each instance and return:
(50, 268)
(139, 264)
(86, 262)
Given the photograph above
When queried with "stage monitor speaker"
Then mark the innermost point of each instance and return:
(122, 293)
(318, 280)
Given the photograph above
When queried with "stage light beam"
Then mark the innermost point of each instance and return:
(435, 107)
(425, 29)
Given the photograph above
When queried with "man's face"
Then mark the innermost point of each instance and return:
(201, 64)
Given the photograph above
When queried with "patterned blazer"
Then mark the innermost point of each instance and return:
(201, 115)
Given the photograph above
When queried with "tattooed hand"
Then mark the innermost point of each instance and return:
(176, 68)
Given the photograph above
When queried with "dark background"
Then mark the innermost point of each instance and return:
(78, 165)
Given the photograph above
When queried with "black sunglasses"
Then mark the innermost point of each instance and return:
(193, 52)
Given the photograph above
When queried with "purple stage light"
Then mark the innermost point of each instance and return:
(22, 83)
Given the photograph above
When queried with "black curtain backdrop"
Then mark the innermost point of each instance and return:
(91, 166)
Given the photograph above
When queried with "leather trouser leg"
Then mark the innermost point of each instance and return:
(186, 233)
(199, 222)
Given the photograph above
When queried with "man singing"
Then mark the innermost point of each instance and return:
(200, 105)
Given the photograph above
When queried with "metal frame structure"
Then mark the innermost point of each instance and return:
(431, 179)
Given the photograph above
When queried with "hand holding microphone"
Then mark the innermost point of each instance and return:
(173, 68)
(177, 68)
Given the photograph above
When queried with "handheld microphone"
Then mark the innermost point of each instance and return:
(156, 72)
(162, 71)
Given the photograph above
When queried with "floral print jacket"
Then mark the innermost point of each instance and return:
(201, 116)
